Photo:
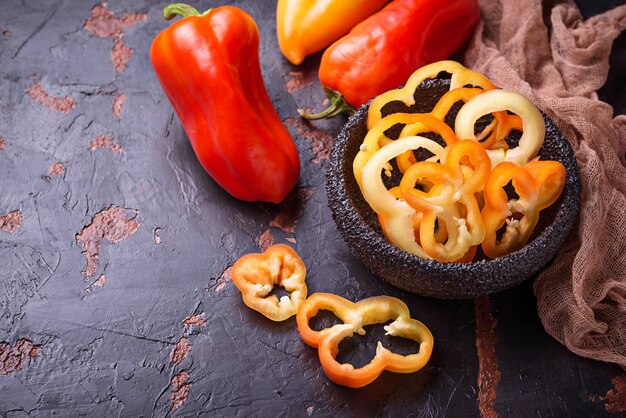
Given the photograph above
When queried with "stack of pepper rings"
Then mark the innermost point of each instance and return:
(448, 204)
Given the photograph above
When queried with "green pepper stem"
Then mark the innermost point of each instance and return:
(181, 9)
(338, 106)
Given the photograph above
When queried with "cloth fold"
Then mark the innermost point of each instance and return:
(559, 61)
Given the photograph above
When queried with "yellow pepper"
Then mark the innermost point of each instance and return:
(308, 26)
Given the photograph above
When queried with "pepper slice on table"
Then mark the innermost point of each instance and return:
(538, 185)
(255, 275)
(382, 51)
(208, 66)
(355, 317)
(308, 26)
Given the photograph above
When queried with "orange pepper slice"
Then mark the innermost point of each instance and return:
(255, 275)
(451, 201)
(441, 235)
(538, 185)
(355, 317)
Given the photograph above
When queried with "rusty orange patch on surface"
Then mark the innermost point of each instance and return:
(57, 168)
(108, 225)
(181, 350)
(58, 104)
(321, 142)
(180, 389)
(105, 141)
(265, 241)
(11, 222)
(12, 357)
(118, 105)
(104, 24)
(224, 278)
(297, 81)
(120, 54)
(194, 320)
(99, 282)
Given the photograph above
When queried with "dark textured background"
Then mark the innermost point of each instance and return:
(107, 350)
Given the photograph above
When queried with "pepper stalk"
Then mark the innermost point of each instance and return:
(338, 106)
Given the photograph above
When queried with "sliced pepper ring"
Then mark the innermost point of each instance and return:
(255, 275)
(376, 135)
(491, 137)
(461, 77)
(538, 185)
(533, 126)
(355, 317)
(440, 235)
(397, 214)
(457, 208)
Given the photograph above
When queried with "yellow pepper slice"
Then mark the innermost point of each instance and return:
(461, 77)
(375, 135)
(533, 126)
(397, 214)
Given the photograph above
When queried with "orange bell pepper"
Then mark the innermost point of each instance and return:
(355, 317)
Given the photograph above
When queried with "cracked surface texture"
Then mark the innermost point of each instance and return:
(154, 327)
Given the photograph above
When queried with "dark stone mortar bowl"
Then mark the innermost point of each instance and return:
(359, 227)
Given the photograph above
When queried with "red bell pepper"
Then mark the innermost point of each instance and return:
(381, 52)
(208, 66)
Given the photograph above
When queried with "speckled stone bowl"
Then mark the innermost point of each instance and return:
(359, 227)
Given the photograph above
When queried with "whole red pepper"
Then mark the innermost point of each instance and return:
(381, 52)
(208, 66)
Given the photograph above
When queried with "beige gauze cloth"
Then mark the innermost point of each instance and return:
(581, 297)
